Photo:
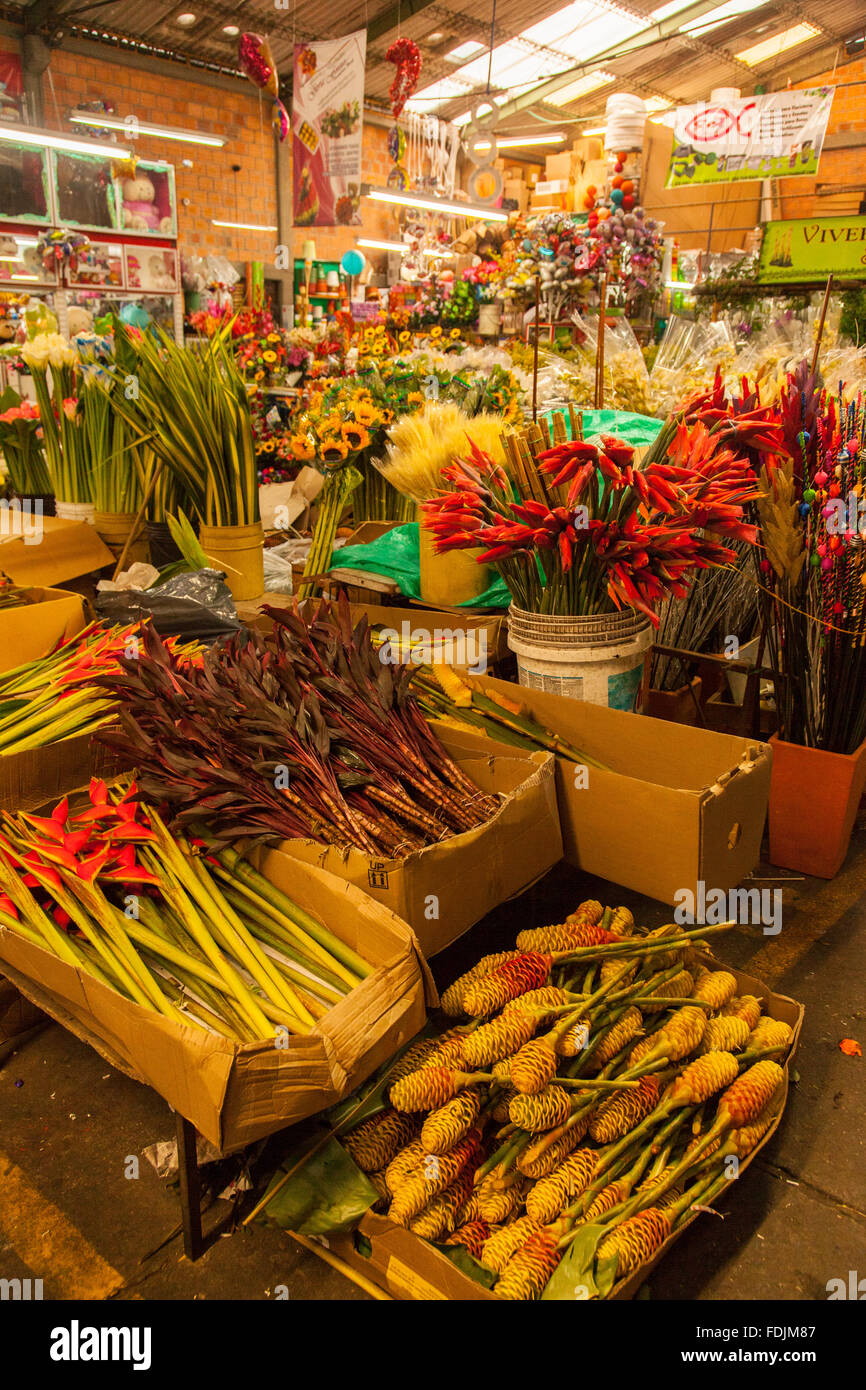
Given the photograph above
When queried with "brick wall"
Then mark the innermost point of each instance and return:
(800, 197)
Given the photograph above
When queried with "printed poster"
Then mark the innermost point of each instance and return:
(778, 135)
(811, 248)
(327, 126)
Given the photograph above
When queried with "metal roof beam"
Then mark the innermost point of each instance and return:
(654, 33)
(393, 17)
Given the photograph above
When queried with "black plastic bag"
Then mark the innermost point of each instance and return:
(198, 604)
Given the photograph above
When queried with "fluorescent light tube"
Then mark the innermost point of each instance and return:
(131, 126)
(412, 200)
(29, 135)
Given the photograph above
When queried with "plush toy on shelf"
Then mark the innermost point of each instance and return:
(140, 212)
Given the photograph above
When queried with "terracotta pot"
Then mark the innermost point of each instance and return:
(677, 706)
(813, 801)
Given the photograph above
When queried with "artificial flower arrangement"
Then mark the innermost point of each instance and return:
(66, 453)
(485, 280)
(624, 535)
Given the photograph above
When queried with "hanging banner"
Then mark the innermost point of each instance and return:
(327, 125)
(813, 248)
(778, 135)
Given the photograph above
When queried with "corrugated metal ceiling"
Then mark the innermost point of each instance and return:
(680, 68)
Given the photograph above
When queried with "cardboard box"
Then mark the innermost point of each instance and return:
(31, 631)
(67, 550)
(473, 639)
(559, 166)
(679, 805)
(236, 1093)
(407, 1267)
(17, 1014)
(442, 890)
(30, 780)
(517, 190)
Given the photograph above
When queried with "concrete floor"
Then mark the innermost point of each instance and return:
(69, 1124)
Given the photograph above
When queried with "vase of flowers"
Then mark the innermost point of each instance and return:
(67, 454)
(589, 564)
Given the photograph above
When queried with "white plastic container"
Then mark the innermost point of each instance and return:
(599, 659)
(75, 511)
(625, 118)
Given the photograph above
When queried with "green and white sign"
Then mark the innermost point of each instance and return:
(777, 135)
(813, 248)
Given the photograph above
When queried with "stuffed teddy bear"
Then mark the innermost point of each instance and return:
(140, 213)
(158, 276)
(80, 320)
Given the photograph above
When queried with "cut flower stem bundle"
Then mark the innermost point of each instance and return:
(199, 936)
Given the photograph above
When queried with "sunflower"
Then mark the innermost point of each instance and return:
(273, 337)
(366, 413)
(333, 450)
(436, 331)
(387, 417)
(455, 333)
(355, 435)
(269, 355)
(259, 375)
(302, 447)
(414, 398)
(405, 336)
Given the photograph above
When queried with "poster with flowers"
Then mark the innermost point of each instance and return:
(327, 127)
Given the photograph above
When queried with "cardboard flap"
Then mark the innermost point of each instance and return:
(34, 629)
(67, 549)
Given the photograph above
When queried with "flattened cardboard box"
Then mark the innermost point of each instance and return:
(442, 890)
(35, 628)
(236, 1093)
(679, 805)
(479, 637)
(409, 1268)
(29, 780)
(67, 550)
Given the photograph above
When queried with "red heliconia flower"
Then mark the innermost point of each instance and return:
(7, 906)
(90, 868)
(98, 792)
(76, 840)
(47, 825)
(617, 450)
(60, 814)
(61, 917)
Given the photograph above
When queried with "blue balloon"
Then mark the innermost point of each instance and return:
(352, 263)
(135, 315)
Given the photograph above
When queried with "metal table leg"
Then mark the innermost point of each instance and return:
(190, 1188)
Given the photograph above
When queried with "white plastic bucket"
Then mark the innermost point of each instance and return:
(75, 511)
(599, 659)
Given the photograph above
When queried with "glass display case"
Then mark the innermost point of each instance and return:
(138, 310)
(152, 268)
(25, 183)
(85, 191)
(146, 202)
(100, 265)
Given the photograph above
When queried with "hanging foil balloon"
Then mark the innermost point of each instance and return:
(257, 63)
(406, 55)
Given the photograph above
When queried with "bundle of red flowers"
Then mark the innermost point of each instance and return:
(624, 534)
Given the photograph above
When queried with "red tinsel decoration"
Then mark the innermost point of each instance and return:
(406, 54)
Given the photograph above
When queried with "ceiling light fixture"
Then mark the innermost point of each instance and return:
(453, 209)
(132, 126)
(513, 142)
(779, 43)
(244, 226)
(186, 20)
(376, 245)
(232, 30)
(594, 130)
(29, 135)
(435, 37)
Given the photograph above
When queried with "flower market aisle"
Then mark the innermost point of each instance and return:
(74, 1125)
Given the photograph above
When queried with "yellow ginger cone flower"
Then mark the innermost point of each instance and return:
(680, 987)
(566, 937)
(682, 1033)
(745, 1006)
(451, 1001)
(439, 1218)
(473, 1235)
(622, 922)
(770, 1032)
(750, 1093)
(404, 1163)
(727, 1033)
(500, 1111)
(501, 1245)
(380, 1183)
(528, 1271)
(702, 1079)
(750, 1135)
(534, 1067)
(549, 1195)
(608, 1197)
(716, 989)
(636, 1240)
(499, 1038)
(502, 1069)
(622, 1032)
(413, 1058)
(435, 1174)
(550, 1108)
(445, 1127)
(623, 1111)
(609, 968)
(570, 1043)
(428, 1089)
(375, 1142)
(547, 996)
(448, 1052)
(536, 1160)
(590, 908)
(498, 1207)
(469, 1210)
